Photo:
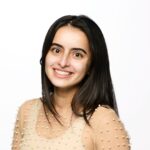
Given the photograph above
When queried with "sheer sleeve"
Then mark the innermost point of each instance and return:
(17, 131)
(21, 123)
(109, 131)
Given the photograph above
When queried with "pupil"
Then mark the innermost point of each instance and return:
(57, 51)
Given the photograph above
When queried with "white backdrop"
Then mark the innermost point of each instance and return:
(126, 27)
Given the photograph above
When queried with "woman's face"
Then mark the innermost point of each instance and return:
(69, 58)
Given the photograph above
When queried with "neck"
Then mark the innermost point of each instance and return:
(63, 98)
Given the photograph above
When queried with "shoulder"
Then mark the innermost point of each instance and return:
(103, 113)
(104, 116)
(29, 103)
(24, 109)
(108, 130)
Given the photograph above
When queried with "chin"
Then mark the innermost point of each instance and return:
(65, 86)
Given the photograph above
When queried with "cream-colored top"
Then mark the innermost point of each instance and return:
(33, 132)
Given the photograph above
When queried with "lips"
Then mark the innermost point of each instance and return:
(62, 73)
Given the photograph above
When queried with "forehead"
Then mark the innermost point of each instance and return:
(71, 29)
(71, 35)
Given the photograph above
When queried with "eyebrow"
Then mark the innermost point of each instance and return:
(55, 44)
(76, 48)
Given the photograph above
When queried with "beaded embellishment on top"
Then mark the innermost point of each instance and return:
(33, 141)
(106, 132)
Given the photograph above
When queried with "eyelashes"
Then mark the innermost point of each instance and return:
(78, 54)
(75, 53)
(55, 49)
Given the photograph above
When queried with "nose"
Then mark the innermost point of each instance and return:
(64, 61)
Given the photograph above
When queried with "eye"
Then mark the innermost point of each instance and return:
(78, 55)
(55, 50)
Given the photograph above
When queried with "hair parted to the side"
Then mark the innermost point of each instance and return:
(96, 88)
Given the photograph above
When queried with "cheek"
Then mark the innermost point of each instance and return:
(49, 60)
(82, 68)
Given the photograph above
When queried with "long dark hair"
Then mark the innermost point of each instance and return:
(96, 88)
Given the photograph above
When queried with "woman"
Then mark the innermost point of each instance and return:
(77, 110)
